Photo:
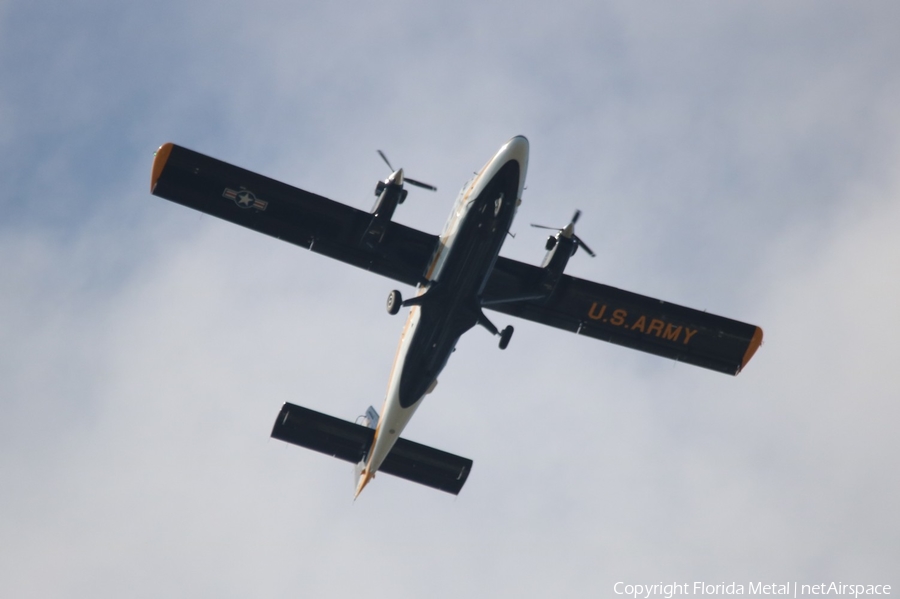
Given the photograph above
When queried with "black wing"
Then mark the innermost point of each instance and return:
(336, 230)
(300, 217)
(625, 318)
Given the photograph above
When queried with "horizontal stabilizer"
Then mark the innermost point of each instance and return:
(350, 442)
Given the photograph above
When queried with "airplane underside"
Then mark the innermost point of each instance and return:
(457, 275)
(449, 305)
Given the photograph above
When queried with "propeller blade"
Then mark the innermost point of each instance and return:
(569, 232)
(584, 246)
(383, 157)
(420, 184)
(406, 179)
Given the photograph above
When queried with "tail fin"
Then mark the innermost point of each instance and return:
(351, 442)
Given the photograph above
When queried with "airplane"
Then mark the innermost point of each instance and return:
(456, 275)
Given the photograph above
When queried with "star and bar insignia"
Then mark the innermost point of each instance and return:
(245, 199)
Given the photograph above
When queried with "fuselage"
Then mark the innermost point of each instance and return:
(449, 304)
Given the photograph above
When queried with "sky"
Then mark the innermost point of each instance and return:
(735, 157)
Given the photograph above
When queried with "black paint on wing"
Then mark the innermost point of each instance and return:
(288, 213)
(625, 318)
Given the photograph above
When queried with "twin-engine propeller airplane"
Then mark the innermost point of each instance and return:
(456, 276)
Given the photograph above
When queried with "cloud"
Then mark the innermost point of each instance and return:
(737, 159)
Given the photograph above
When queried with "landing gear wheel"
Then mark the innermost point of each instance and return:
(505, 336)
(393, 302)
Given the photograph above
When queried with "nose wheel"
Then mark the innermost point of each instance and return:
(394, 300)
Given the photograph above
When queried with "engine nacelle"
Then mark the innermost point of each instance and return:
(379, 190)
(390, 195)
(560, 249)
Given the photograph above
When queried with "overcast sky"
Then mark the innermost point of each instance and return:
(737, 157)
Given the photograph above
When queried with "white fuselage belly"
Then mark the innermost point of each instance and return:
(395, 415)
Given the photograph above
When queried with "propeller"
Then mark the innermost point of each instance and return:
(569, 232)
(407, 179)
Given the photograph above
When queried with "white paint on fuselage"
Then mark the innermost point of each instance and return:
(395, 417)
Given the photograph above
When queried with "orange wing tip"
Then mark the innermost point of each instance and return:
(755, 342)
(159, 163)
